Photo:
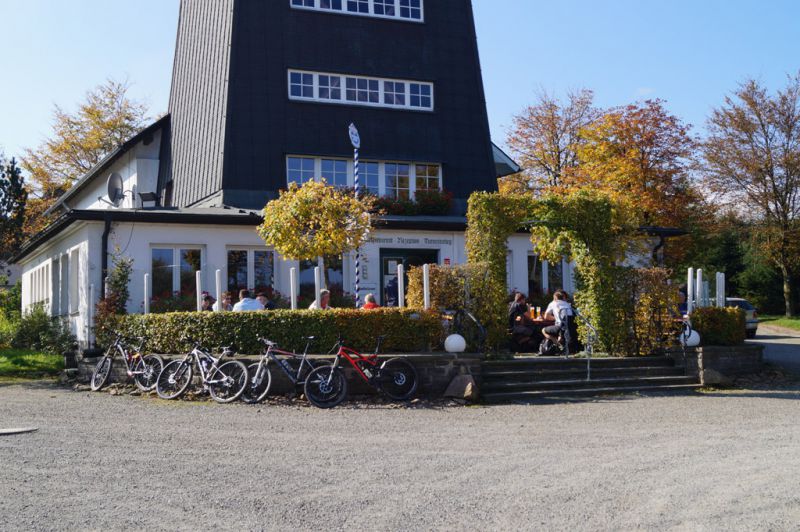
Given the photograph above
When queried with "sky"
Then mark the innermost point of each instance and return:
(689, 53)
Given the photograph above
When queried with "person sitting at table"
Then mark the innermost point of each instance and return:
(523, 334)
(370, 303)
(246, 303)
(557, 310)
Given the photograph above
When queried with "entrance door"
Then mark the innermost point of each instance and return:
(390, 259)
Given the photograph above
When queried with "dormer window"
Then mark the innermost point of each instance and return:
(410, 10)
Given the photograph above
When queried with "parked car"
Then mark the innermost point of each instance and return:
(751, 314)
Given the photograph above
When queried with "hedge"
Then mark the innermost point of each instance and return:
(405, 330)
(723, 326)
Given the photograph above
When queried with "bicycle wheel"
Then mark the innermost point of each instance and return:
(398, 379)
(102, 371)
(260, 379)
(325, 387)
(228, 383)
(146, 372)
(174, 379)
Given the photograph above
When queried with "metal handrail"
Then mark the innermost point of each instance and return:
(590, 340)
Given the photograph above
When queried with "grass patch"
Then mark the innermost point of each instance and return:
(781, 321)
(25, 363)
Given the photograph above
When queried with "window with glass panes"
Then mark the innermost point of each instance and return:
(369, 176)
(330, 87)
(411, 9)
(299, 169)
(394, 93)
(421, 95)
(398, 180)
(334, 172)
(363, 90)
(250, 269)
(358, 6)
(384, 7)
(427, 177)
(303, 3)
(174, 271)
(330, 4)
(301, 85)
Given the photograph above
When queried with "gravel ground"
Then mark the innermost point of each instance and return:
(724, 460)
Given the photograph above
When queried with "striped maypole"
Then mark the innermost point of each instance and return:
(356, 140)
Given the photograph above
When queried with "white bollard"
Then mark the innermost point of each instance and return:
(293, 287)
(690, 291)
(199, 287)
(721, 299)
(401, 286)
(218, 281)
(317, 283)
(698, 286)
(426, 285)
(90, 318)
(147, 293)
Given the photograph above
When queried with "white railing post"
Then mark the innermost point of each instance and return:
(199, 288)
(293, 287)
(721, 299)
(317, 285)
(90, 317)
(218, 281)
(690, 291)
(426, 285)
(699, 288)
(147, 293)
(401, 286)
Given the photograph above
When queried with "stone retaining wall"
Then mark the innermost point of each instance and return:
(719, 365)
(435, 370)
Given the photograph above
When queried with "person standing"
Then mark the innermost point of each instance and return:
(246, 303)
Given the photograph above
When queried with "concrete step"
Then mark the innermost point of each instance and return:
(567, 363)
(563, 394)
(492, 375)
(573, 384)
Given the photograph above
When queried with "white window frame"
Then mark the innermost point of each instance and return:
(372, 13)
(74, 281)
(382, 188)
(251, 264)
(343, 91)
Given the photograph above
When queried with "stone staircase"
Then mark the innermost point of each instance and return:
(529, 378)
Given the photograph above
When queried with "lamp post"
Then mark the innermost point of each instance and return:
(355, 139)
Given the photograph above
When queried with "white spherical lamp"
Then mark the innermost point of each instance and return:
(693, 340)
(455, 343)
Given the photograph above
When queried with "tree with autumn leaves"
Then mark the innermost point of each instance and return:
(640, 156)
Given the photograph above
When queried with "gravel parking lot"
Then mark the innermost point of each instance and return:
(708, 461)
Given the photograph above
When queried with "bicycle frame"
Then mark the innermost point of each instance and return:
(354, 357)
(196, 356)
(123, 352)
(271, 355)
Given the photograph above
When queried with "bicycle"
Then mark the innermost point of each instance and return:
(225, 382)
(261, 376)
(470, 328)
(326, 386)
(143, 369)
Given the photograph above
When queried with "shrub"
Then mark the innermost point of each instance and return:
(719, 326)
(405, 330)
(37, 330)
(8, 329)
(465, 286)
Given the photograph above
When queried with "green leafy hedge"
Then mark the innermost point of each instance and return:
(405, 330)
(719, 326)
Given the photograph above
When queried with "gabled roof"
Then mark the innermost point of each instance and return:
(109, 159)
(504, 165)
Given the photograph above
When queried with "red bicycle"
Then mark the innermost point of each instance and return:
(326, 386)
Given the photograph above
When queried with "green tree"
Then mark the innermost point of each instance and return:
(13, 202)
(752, 157)
(80, 140)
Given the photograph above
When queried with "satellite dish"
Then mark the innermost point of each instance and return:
(115, 192)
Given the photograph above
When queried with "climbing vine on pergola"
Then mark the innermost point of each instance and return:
(584, 225)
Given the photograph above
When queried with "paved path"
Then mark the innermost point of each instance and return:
(781, 346)
(680, 462)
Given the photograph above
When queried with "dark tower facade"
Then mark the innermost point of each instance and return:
(263, 92)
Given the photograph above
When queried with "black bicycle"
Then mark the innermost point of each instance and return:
(470, 328)
(225, 381)
(296, 367)
(143, 369)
